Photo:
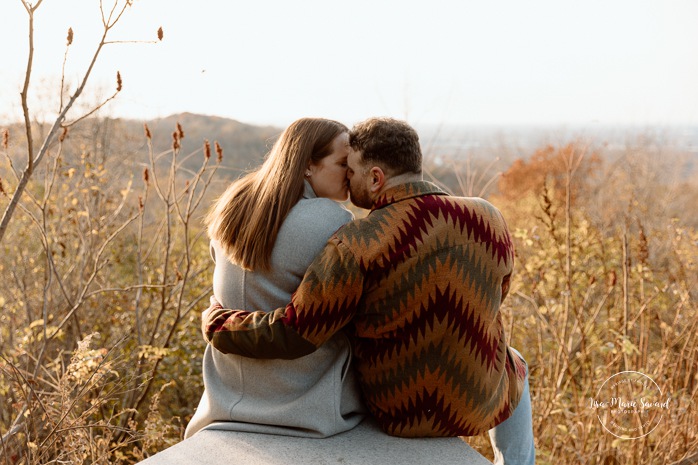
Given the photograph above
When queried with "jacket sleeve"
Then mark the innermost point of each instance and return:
(324, 302)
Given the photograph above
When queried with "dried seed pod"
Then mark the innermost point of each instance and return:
(180, 131)
(611, 279)
(219, 151)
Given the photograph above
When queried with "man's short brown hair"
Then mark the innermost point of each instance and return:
(390, 143)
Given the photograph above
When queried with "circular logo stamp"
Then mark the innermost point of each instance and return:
(630, 405)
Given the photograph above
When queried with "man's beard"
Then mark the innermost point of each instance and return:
(360, 198)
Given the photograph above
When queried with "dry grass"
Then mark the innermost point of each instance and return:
(597, 293)
(99, 331)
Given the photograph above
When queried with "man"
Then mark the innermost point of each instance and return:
(418, 284)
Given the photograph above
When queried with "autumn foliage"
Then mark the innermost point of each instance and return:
(604, 284)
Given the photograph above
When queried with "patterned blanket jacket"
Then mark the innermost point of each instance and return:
(417, 285)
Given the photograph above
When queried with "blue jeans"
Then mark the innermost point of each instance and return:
(512, 440)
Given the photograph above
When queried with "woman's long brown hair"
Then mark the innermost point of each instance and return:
(246, 219)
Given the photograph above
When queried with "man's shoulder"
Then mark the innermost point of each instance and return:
(447, 201)
(474, 203)
(363, 233)
(469, 210)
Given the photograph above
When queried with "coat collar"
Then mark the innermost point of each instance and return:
(308, 192)
(406, 191)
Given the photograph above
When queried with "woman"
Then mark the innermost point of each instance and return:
(265, 231)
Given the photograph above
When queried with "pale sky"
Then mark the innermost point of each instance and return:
(437, 61)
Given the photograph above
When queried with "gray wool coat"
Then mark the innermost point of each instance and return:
(314, 396)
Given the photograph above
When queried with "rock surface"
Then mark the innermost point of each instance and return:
(364, 445)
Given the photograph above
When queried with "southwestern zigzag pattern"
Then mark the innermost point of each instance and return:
(418, 284)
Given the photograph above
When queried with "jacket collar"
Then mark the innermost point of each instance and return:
(308, 192)
(406, 191)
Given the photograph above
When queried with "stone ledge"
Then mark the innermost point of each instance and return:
(364, 445)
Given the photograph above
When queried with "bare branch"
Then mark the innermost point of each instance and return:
(193, 304)
(25, 91)
(20, 418)
(104, 290)
(151, 156)
(91, 112)
(492, 179)
(118, 16)
(207, 183)
(489, 183)
(6, 152)
(33, 161)
(65, 60)
(96, 268)
(110, 42)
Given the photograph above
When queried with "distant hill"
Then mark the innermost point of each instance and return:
(244, 145)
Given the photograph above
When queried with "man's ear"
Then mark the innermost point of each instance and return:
(377, 179)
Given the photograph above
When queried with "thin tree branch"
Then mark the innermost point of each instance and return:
(91, 112)
(32, 162)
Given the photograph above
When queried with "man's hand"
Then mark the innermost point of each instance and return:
(214, 305)
(253, 334)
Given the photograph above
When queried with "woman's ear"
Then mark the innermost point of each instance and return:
(377, 179)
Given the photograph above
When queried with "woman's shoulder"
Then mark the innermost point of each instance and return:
(316, 218)
(305, 231)
(322, 209)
